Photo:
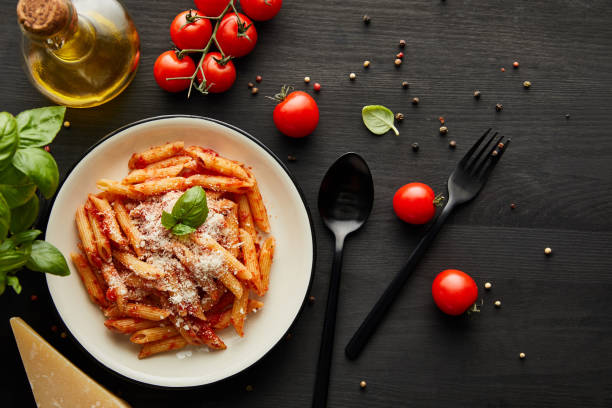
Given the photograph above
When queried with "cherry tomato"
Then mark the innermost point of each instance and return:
(414, 203)
(261, 10)
(454, 291)
(297, 115)
(219, 77)
(236, 38)
(188, 32)
(168, 65)
(211, 8)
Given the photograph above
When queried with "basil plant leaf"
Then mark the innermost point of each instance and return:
(168, 220)
(24, 216)
(9, 138)
(7, 245)
(38, 127)
(378, 119)
(13, 282)
(16, 187)
(5, 218)
(12, 260)
(182, 229)
(44, 257)
(40, 167)
(191, 208)
(25, 236)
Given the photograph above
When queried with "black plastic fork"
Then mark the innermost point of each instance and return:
(464, 184)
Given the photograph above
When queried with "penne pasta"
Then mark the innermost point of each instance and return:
(266, 255)
(102, 243)
(107, 214)
(239, 311)
(153, 334)
(223, 320)
(129, 324)
(249, 254)
(245, 219)
(160, 346)
(123, 190)
(96, 294)
(86, 235)
(213, 162)
(116, 286)
(129, 229)
(233, 264)
(146, 312)
(220, 183)
(140, 175)
(155, 154)
(258, 209)
(140, 268)
(155, 187)
(170, 161)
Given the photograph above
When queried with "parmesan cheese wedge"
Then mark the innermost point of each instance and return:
(55, 381)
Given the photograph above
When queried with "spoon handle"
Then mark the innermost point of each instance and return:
(369, 325)
(319, 399)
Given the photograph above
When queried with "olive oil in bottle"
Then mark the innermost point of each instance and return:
(78, 53)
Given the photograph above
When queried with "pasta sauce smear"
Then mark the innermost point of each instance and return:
(168, 291)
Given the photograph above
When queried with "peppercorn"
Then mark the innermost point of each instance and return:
(366, 19)
(398, 62)
(477, 94)
(415, 101)
(405, 84)
(317, 87)
(250, 85)
(500, 145)
(399, 55)
(548, 251)
(54, 328)
(515, 64)
(498, 303)
(352, 76)
(503, 69)
(363, 384)
(289, 336)
(254, 90)
(452, 144)
(366, 64)
(526, 84)
(33, 298)
(512, 206)
(249, 388)
(488, 285)
(47, 148)
(499, 107)
(402, 43)
(307, 79)
(441, 119)
(311, 299)
(258, 78)
(399, 116)
(494, 153)
(522, 355)
(443, 130)
(63, 335)
(291, 157)
(67, 124)
(567, 116)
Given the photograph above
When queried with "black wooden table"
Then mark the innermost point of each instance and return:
(556, 309)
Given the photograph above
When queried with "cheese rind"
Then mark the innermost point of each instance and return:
(55, 381)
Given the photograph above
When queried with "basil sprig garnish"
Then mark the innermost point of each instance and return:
(189, 212)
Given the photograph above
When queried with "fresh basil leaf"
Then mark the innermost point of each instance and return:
(378, 119)
(12, 260)
(39, 166)
(8, 138)
(16, 187)
(5, 218)
(2, 282)
(24, 216)
(13, 282)
(191, 208)
(44, 257)
(7, 245)
(168, 220)
(25, 236)
(182, 229)
(38, 127)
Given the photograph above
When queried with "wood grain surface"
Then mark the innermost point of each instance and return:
(558, 171)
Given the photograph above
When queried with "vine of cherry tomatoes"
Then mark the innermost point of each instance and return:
(213, 23)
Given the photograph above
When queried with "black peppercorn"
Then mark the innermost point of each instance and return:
(499, 107)
(366, 19)
(477, 94)
(452, 144)
(405, 84)
(415, 147)
(399, 116)
(402, 43)
(415, 101)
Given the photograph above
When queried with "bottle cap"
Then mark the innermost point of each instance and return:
(43, 17)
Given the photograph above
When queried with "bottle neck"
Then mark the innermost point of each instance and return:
(73, 42)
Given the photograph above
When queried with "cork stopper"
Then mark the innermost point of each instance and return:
(43, 17)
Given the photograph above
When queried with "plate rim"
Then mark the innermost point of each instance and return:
(243, 133)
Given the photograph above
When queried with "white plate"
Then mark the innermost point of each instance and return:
(290, 276)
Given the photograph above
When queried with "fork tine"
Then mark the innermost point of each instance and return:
(484, 161)
(473, 149)
(482, 150)
(487, 171)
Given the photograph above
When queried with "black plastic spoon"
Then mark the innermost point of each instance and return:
(345, 202)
